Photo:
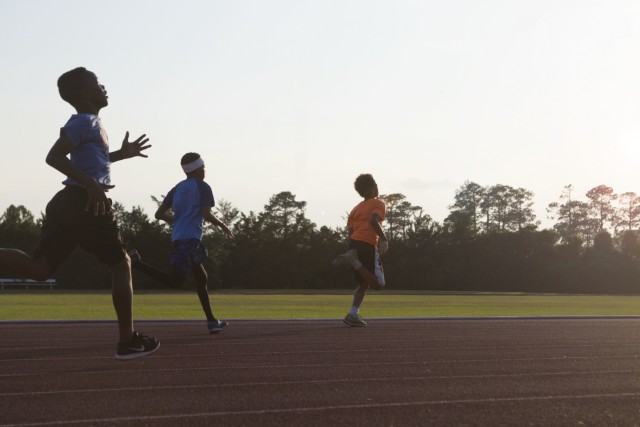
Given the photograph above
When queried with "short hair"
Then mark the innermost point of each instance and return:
(189, 157)
(363, 183)
(71, 82)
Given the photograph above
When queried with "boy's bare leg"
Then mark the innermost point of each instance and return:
(359, 294)
(368, 280)
(351, 258)
(215, 325)
(132, 343)
(173, 279)
(200, 274)
(20, 263)
(368, 277)
(122, 296)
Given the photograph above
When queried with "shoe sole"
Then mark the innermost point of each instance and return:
(355, 325)
(125, 357)
(218, 330)
(344, 260)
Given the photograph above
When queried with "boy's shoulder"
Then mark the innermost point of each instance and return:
(198, 184)
(194, 182)
(369, 204)
(83, 120)
(372, 202)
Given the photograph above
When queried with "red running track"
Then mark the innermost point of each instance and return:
(551, 372)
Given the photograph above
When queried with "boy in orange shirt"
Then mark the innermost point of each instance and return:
(367, 243)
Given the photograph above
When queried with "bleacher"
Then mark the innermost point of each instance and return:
(27, 283)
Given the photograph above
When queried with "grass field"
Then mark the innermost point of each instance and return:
(57, 305)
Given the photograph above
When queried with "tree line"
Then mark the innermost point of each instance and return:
(490, 241)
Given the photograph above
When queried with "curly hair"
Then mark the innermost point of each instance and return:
(363, 183)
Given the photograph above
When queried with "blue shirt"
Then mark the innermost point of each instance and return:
(187, 199)
(91, 148)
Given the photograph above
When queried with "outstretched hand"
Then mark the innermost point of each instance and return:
(134, 148)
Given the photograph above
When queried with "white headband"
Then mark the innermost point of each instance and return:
(190, 167)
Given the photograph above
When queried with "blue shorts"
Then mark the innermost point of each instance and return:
(187, 254)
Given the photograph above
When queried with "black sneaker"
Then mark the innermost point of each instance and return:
(217, 326)
(139, 345)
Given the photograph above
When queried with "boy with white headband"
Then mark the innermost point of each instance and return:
(191, 202)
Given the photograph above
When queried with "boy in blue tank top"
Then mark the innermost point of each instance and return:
(80, 214)
(186, 207)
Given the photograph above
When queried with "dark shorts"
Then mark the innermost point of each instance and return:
(67, 225)
(186, 254)
(370, 259)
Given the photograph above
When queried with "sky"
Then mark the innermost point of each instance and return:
(303, 96)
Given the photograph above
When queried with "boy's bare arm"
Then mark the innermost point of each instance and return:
(209, 216)
(164, 214)
(57, 158)
(130, 149)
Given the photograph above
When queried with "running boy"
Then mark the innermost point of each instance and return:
(191, 201)
(367, 243)
(80, 214)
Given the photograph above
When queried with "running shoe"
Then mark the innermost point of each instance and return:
(139, 345)
(354, 320)
(346, 258)
(217, 326)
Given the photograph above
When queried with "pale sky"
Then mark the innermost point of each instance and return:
(303, 96)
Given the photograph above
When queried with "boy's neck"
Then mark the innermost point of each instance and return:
(87, 109)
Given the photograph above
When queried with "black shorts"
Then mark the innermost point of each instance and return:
(67, 225)
(370, 258)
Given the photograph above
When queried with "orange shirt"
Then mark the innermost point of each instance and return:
(359, 220)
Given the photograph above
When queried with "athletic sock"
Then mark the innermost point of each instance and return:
(354, 311)
(356, 264)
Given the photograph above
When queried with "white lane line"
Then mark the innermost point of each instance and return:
(427, 338)
(328, 381)
(322, 365)
(374, 342)
(299, 410)
(302, 320)
(349, 350)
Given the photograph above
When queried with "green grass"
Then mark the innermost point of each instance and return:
(56, 305)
